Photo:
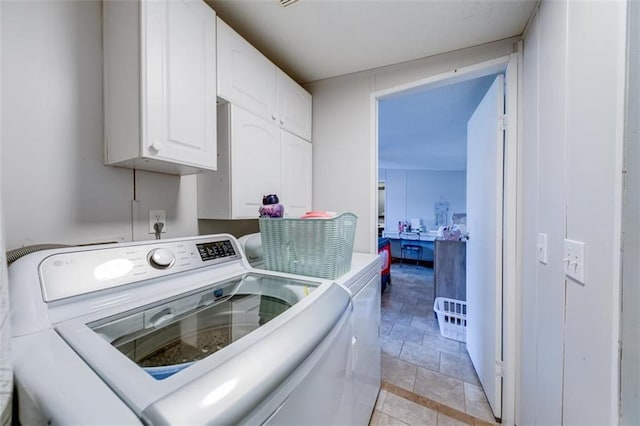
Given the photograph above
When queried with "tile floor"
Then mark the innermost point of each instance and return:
(426, 378)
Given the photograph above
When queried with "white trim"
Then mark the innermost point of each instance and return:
(511, 263)
(373, 173)
(518, 248)
(444, 79)
(510, 253)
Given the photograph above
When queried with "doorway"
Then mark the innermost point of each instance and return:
(505, 319)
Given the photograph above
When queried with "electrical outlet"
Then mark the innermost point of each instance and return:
(574, 260)
(157, 216)
(542, 248)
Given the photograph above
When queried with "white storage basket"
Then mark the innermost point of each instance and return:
(452, 318)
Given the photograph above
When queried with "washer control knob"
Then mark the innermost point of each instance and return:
(161, 258)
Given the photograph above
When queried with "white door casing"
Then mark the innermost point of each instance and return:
(485, 166)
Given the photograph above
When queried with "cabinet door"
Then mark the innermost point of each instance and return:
(294, 107)
(245, 76)
(255, 162)
(296, 175)
(178, 82)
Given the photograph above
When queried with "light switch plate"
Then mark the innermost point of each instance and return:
(542, 248)
(574, 259)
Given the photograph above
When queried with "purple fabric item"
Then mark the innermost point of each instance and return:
(271, 210)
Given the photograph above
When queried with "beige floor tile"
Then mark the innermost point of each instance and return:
(436, 341)
(425, 323)
(397, 317)
(387, 420)
(380, 400)
(375, 418)
(476, 403)
(449, 421)
(406, 333)
(420, 355)
(391, 346)
(458, 366)
(434, 367)
(440, 388)
(385, 327)
(398, 372)
(412, 297)
(408, 411)
(417, 309)
(388, 303)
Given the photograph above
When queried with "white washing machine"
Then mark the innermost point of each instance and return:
(179, 331)
(363, 376)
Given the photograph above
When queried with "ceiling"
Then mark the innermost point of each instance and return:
(317, 39)
(427, 130)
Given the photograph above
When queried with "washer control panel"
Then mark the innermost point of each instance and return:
(74, 273)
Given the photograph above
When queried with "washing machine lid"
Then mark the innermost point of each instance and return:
(210, 355)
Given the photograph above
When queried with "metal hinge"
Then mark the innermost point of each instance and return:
(502, 122)
(499, 369)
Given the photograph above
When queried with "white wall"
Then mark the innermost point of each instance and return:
(573, 115)
(55, 186)
(413, 193)
(344, 157)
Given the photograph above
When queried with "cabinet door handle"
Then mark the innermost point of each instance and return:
(155, 147)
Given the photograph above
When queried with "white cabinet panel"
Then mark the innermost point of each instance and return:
(160, 99)
(294, 107)
(245, 77)
(255, 162)
(248, 166)
(248, 79)
(255, 158)
(296, 174)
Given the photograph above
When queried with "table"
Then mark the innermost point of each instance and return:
(403, 239)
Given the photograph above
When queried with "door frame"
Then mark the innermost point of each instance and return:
(511, 263)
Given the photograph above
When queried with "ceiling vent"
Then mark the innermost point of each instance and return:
(285, 3)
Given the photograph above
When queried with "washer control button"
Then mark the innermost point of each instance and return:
(161, 258)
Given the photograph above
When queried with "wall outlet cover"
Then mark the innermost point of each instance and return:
(157, 216)
(574, 260)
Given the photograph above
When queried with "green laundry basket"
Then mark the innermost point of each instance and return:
(314, 247)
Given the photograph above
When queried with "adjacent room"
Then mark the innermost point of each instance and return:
(422, 159)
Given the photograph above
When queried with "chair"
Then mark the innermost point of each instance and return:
(411, 248)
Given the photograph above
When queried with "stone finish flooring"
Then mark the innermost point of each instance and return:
(426, 378)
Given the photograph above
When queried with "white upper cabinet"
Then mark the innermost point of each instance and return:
(248, 79)
(296, 174)
(245, 76)
(160, 85)
(256, 158)
(294, 107)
